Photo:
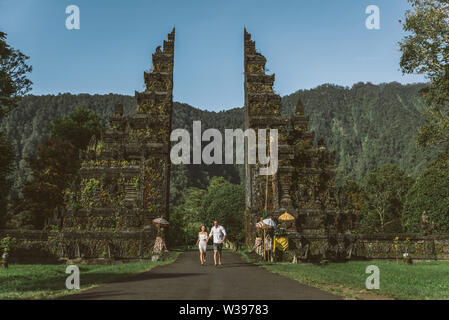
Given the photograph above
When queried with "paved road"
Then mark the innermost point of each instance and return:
(186, 279)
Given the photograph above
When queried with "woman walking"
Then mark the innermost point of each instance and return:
(202, 244)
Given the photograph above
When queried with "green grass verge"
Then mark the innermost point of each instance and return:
(421, 280)
(39, 281)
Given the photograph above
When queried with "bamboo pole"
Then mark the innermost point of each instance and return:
(266, 202)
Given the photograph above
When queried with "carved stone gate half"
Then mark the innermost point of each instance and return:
(304, 183)
(125, 174)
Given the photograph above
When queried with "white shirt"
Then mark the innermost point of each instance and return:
(218, 233)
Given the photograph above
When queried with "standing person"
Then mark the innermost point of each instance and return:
(219, 234)
(202, 244)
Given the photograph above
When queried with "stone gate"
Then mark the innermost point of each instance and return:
(125, 174)
(125, 182)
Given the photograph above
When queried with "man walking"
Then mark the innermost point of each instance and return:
(219, 234)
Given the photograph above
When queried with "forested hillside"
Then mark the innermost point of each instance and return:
(368, 125)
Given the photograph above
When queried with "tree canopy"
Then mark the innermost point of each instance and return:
(221, 200)
(54, 167)
(426, 208)
(13, 76)
(384, 191)
(425, 50)
(13, 85)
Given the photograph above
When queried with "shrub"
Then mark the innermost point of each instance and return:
(384, 192)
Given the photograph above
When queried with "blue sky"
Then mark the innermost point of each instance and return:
(307, 43)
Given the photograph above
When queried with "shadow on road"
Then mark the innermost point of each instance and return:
(159, 275)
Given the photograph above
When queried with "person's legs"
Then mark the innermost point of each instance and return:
(220, 246)
(215, 253)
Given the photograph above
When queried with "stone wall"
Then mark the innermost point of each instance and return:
(419, 247)
(360, 246)
(34, 246)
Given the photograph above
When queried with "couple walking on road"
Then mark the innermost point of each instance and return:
(219, 235)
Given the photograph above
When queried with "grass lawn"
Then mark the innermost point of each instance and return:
(421, 280)
(38, 281)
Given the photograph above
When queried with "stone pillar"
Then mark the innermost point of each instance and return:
(263, 111)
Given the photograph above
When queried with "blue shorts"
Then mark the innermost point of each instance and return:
(218, 247)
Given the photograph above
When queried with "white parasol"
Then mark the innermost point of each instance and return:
(269, 223)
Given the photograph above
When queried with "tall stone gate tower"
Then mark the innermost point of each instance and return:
(263, 111)
(125, 174)
(304, 183)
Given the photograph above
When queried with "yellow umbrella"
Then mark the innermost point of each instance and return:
(286, 217)
(280, 244)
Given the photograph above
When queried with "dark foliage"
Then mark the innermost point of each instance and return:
(426, 207)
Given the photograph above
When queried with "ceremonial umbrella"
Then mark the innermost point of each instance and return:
(269, 223)
(286, 217)
(161, 222)
(259, 225)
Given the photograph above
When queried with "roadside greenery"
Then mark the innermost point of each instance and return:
(420, 280)
(42, 281)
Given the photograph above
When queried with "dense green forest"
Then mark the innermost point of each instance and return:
(367, 125)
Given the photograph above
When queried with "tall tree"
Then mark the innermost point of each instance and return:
(228, 206)
(384, 192)
(225, 202)
(55, 166)
(13, 76)
(425, 50)
(78, 127)
(13, 85)
(6, 168)
(426, 208)
(185, 220)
